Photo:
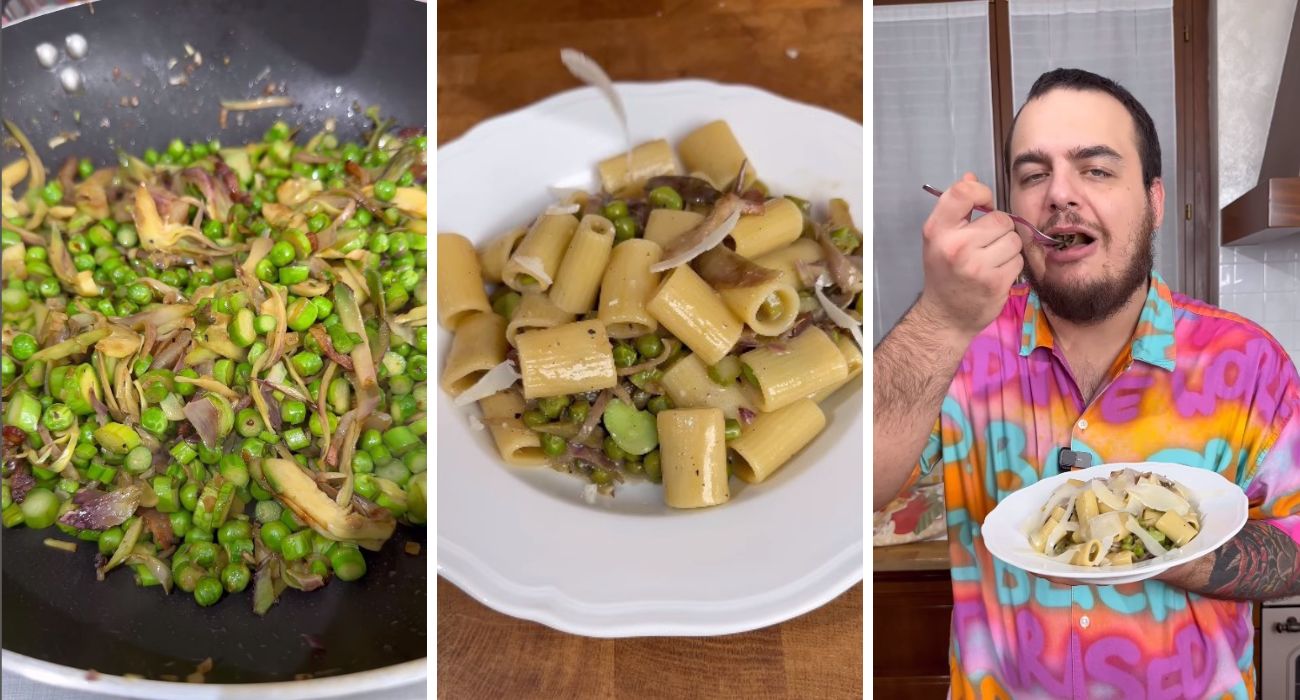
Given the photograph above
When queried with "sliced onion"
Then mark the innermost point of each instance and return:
(708, 234)
(499, 378)
(836, 314)
(99, 511)
(594, 415)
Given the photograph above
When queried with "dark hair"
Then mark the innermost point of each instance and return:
(1148, 143)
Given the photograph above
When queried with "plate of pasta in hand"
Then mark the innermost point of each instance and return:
(650, 420)
(1116, 523)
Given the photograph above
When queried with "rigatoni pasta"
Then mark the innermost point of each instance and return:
(670, 329)
(533, 265)
(691, 310)
(478, 346)
(693, 444)
(534, 311)
(807, 364)
(569, 359)
(578, 281)
(460, 281)
(767, 443)
(626, 288)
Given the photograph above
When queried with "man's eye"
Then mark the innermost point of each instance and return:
(1098, 172)
(1032, 178)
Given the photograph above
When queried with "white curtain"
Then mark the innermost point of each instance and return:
(1128, 41)
(933, 121)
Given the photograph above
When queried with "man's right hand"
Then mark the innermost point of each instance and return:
(969, 265)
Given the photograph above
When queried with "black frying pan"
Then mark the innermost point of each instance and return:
(329, 54)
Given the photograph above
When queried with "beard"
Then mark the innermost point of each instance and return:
(1091, 302)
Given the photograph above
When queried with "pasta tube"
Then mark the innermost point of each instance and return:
(497, 253)
(460, 281)
(665, 225)
(648, 160)
(780, 224)
(767, 443)
(693, 453)
(811, 362)
(689, 308)
(534, 264)
(714, 151)
(478, 346)
(688, 384)
(626, 288)
(578, 280)
(517, 444)
(570, 359)
(533, 312)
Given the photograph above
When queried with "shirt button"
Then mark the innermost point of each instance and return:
(1084, 622)
(1083, 424)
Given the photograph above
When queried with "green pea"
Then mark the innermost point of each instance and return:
(600, 477)
(279, 131)
(578, 411)
(150, 156)
(109, 540)
(665, 198)
(552, 406)
(23, 346)
(612, 450)
(615, 209)
(658, 403)
(235, 577)
(348, 564)
(234, 530)
(273, 534)
(293, 412)
(208, 591)
(624, 355)
(649, 345)
(732, 429)
(534, 418)
(624, 228)
(385, 190)
(652, 467)
(553, 445)
(176, 148)
(52, 193)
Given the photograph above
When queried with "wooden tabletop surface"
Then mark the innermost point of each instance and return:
(496, 56)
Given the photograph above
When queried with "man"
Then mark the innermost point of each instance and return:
(1094, 355)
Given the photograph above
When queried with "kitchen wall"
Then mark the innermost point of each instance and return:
(1261, 282)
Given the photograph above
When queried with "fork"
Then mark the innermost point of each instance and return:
(1020, 220)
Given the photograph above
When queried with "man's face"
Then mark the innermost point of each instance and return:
(1076, 170)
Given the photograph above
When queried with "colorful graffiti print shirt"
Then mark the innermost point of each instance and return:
(1198, 386)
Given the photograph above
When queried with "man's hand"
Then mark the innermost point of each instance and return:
(969, 265)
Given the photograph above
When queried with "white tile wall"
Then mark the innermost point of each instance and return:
(1262, 283)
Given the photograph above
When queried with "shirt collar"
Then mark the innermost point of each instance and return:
(1153, 340)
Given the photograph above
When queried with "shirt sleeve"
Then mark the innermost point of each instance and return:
(1274, 490)
(930, 457)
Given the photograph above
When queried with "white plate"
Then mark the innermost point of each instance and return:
(522, 540)
(1222, 504)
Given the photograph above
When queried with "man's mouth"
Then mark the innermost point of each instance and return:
(1071, 238)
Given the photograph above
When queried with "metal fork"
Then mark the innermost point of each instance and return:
(1018, 219)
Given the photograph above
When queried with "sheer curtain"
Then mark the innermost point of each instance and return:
(1128, 41)
(933, 121)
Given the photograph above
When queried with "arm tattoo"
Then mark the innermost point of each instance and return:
(1260, 563)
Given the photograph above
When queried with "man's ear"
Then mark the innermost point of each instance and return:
(1156, 195)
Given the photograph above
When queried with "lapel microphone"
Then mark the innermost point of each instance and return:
(1069, 460)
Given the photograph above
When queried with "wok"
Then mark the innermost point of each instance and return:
(334, 58)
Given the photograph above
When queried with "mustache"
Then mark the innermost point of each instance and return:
(1069, 217)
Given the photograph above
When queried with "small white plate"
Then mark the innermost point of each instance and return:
(1222, 504)
(522, 540)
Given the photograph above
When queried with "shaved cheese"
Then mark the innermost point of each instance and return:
(563, 209)
(1147, 540)
(1160, 498)
(475, 422)
(588, 71)
(708, 243)
(1068, 555)
(499, 378)
(1105, 495)
(533, 266)
(589, 493)
(1063, 527)
(836, 314)
(1106, 525)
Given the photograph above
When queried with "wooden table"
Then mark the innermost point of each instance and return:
(496, 56)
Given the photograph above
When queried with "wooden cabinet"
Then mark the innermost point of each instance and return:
(913, 616)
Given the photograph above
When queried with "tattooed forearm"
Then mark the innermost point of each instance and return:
(1260, 563)
(912, 369)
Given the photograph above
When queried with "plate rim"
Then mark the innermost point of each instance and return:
(52, 674)
(1147, 572)
(546, 604)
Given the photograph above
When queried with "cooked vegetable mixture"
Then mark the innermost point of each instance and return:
(215, 357)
